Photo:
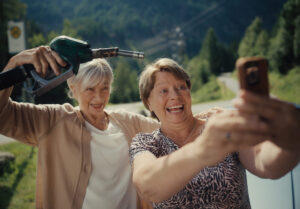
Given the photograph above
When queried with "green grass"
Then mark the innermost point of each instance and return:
(17, 184)
(286, 87)
(212, 91)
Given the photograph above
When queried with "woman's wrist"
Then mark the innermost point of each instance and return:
(198, 154)
(11, 64)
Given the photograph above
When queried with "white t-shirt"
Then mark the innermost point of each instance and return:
(110, 184)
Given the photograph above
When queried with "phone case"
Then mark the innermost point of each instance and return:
(253, 74)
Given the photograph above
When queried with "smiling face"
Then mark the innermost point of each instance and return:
(91, 88)
(93, 99)
(170, 99)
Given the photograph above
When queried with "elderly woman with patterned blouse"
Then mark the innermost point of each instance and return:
(190, 162)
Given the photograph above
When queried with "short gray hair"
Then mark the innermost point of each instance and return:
(91, 74)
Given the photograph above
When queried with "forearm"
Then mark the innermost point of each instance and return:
(163, 177)
(24, 121)
(5, 93)
(280, 163)
(12, 63)
(271, 161)
(4, 98)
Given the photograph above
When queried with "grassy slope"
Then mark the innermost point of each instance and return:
(17, 185)
(212, 91)
(286, 87)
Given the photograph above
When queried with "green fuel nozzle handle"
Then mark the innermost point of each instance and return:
(73, 51)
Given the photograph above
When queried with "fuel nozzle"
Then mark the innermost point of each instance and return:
(134, 54)
(115, 51)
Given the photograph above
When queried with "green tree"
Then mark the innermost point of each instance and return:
(213, 58)
(69, 30)
(247, 44)
(199, 72)
(262, 44)
(297, 41)
(125, 86)
(283, 51)
(228, 56)
(279, 52)
(210, 51)
(37, 39)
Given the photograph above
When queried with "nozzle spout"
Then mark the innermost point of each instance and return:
(115, 51)
(134, 54)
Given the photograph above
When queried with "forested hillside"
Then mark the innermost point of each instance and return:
(205, 36)
(135, 23)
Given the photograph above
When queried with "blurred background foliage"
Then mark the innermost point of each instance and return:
(206, 37)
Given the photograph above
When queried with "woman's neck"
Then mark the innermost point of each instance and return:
(181, 133)
(100, 121)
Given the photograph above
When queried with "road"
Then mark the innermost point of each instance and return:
(229, 82)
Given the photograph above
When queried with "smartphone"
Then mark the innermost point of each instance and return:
(253, 74)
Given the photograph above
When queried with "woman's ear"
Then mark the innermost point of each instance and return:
(149, 106)
(74, 91)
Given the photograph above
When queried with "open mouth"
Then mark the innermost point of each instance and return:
(174, 109)
(97, 106)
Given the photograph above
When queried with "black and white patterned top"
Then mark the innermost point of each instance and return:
(221, 186)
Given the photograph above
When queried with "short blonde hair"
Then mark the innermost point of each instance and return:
(147, 78)
(91, 74)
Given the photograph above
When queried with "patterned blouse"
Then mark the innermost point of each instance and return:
(221, 186)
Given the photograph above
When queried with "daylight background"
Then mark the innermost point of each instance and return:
(205, 36)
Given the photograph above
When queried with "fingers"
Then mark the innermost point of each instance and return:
(261, 100)
(268, 108)
(46, 58)
(250, 108)
(233, 140)
(283, 119)
(58, 59)
(40, 57)
(29, 56)
(52, 59)
(208, 113)
(239, 140)
(238, 121)
(232, 130)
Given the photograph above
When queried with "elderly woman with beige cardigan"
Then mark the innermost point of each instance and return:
(83, 160)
